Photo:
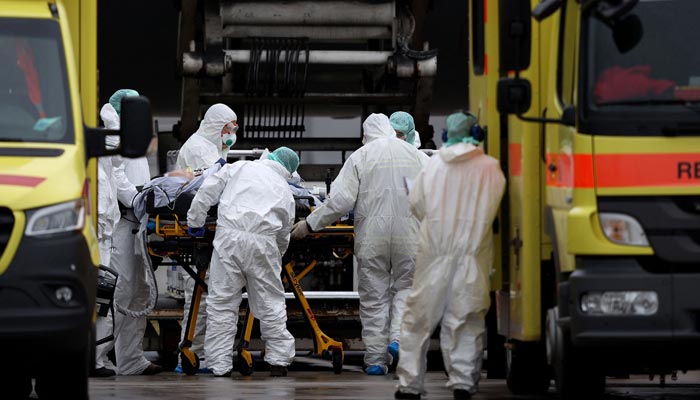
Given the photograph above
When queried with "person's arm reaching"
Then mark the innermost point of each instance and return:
(198, 158)
(208, 195)
(126, 191)
(342, 198)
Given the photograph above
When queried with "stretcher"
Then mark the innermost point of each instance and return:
(168, 237)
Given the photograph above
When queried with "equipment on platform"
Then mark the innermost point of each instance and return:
(106, 283)
(276, 62)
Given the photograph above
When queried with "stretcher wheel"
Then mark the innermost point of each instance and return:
(244, 368)
(187, 366)
(337, 358)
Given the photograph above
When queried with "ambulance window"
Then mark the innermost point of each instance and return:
(478, 42)
(567, 55)
(34, 100)
(661, 65)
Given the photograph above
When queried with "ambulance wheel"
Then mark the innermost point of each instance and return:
(68, 382)
(337, 359)
(576, 375)
(187, 366)
(244, 368)
(527, 372)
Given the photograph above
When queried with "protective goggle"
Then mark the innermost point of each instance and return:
(229, 128)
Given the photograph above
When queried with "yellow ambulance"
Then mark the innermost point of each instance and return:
(593, 108)
(48, 148)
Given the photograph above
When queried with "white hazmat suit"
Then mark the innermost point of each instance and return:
(255, 215)
(107, 207)
(132, 290)
(372, 181)
(107, 216)
(205, 146)
(200, 151)
(456, 197)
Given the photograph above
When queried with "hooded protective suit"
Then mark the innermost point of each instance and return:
(200, 151)
(107, 216)
(372, 182)
(107, 209)
(205, 146)
(456, 197)
(256, 212)
(132, 289)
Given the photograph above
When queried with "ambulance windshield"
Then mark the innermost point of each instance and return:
(34, 98)
(648, 57)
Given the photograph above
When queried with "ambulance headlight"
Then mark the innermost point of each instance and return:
(59, 218)
(623, 229)
(620, 303)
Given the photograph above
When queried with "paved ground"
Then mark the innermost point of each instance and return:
(351, 384)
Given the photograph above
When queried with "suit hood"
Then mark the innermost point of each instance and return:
(214, 120)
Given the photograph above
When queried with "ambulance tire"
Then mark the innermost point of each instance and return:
(495, 362)
(576, 377)
(527, 372)
(92, 355)
(67, 381)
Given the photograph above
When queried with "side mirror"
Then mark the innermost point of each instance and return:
(545, 8)
(136, 125)
(513, 95)
(627, 32)
(613, 9)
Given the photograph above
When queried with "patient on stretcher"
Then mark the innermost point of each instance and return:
(173, 193)
(161, 194)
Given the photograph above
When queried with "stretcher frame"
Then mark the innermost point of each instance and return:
(324, 346)
(188, 251)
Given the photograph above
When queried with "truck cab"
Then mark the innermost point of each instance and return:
(592, 108)
(48, 146)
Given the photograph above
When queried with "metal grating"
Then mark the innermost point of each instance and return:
(276, 70)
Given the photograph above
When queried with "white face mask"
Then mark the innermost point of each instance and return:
(228, 134)
(228, 139)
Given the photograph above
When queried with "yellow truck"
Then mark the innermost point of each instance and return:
(593, 109)
(48, 148)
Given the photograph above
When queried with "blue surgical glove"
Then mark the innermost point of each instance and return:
(196, 232)
(221, 161)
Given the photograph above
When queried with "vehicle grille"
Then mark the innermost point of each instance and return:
(7, 220)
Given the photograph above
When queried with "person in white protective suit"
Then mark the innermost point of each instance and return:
(372, 181)
(456, 197)
(107, 216)
(255, 216)
(132, 289)
(211, 142)
(405, 127)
